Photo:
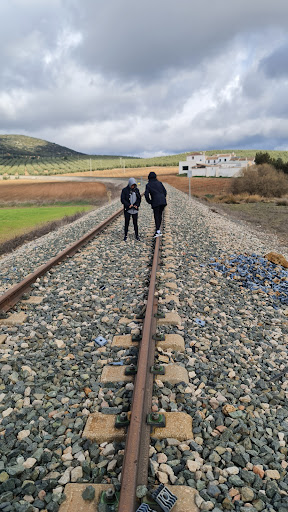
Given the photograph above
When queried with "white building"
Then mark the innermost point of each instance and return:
(220, 165)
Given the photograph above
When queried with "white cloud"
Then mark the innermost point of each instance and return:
(149, 78)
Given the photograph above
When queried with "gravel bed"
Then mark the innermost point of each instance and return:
(236, 356)
(51, 367)
(23, 261)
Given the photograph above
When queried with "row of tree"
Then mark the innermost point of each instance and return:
(265, 158)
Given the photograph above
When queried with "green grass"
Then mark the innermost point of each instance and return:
(16, 221)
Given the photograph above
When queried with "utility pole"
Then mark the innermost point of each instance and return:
(189, 174)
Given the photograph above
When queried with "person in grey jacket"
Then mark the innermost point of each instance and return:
(131, 199)
(155, 194)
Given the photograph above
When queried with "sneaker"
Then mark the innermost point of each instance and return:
(137, 238)
(125, 238)
(158, 233)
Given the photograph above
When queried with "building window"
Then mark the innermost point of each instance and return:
(185, 168)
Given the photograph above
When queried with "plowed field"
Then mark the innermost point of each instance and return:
(199, 186)
(51, 192)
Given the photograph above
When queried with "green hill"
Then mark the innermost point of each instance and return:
(21, 145)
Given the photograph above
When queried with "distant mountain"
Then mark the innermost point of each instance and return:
(22, 145)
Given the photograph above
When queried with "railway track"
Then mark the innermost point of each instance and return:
(12, 296)
(142, 419)
(64, 391)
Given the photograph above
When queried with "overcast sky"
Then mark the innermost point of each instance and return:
(146, 78)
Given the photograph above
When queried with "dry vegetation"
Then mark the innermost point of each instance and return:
(47, 192)
(263, 180)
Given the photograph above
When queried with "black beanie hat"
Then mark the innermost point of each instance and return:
(151, 175)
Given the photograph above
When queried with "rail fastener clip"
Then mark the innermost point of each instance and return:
(131, 370)
(122, 420)
(108, 501)
(158, 369)
(144, 508)
(159, 315)
(156, 420)
(136, 337)
(100, 341)
(158, 337)
(165, 498)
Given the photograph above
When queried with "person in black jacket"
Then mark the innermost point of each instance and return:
(131, 199)
(155, 194)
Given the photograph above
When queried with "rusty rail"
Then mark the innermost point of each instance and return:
(12, 296)
(135, 464)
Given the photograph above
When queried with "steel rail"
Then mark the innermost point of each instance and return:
(135, 463)
(12, 296)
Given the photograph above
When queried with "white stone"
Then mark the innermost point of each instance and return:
(60, 344)
(273, 474)
(29, 499)
(232, 470)
(66, 457)
(108, 450)
(7, 412)
(29, 463)
(193, 465)
(161, 458)
(112, 465)
(58, 491)
(26, 368)
(76, 473)
(24, 433)
(162, 477)
(65, 478)
(80, 457)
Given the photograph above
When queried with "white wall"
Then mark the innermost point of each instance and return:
(212, 171)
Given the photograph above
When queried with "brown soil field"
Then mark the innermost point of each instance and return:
(22, 191)
(199, 186)
(136, 172)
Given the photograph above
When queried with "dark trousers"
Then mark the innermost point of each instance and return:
(158, 210)
(127, 220)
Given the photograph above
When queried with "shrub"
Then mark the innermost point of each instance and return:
(282, 202)
(263, 180)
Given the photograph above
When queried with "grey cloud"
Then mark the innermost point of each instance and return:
(144, 40)
(152, 77)
(276, 64)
